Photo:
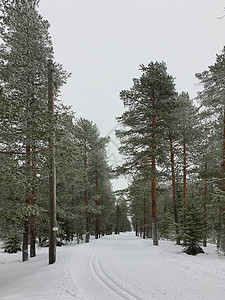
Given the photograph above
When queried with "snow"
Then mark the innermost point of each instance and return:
(114, 267)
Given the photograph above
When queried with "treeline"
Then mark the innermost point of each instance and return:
(86, 203)
(174, 150)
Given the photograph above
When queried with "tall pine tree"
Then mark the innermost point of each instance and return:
(144, 134)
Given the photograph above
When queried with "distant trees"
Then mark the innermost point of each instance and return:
(95, 193)
(139, 195)
(122, 223)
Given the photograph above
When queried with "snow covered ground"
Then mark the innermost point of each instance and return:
(114, 267)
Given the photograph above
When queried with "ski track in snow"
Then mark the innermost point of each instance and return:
(148, 289)
(99, 273)
(116, 267)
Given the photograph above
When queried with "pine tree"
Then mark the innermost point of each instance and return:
(25, 48)
(142, 139)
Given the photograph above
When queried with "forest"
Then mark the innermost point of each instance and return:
(173, 149)
(86, 203)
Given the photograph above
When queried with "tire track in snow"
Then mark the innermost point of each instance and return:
(108, 282)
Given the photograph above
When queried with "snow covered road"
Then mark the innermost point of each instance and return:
(115, 267)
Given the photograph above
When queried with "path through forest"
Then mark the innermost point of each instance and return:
(115, 267)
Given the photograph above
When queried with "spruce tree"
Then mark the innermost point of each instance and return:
(193, 227)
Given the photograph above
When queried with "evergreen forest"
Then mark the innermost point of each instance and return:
(173, 149)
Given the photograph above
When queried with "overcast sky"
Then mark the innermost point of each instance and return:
(103, 42)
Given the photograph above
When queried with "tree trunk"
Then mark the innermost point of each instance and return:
(136, 229)
(205, 210)
(223, 185)
(154, 211)
(184, 177)
(32, 217)
(174, 190)
(26, 221)
(97, 204)
(25, 240)
(222, 242)
(52, 170)
(117, 219)
(87, 235)
(144, 233)
(32, 236)
(219, 229)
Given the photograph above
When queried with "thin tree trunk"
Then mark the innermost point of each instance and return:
(174, 189)
(87, 236)
(223, 163)
(222, 242)
(136, 229)
(103, 232)
(32, 236)
(52, 170)
(219, 229)
(25, 240)
(33, 217)
(73, 208)
(205, 210)
(184, 177)
(144, 234)
(154, 211)
(97, 204)
(32, 231)
(117, 220)
(26, 221)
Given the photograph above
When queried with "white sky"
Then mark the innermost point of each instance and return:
(103, 42)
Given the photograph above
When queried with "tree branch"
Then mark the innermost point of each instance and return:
(22, 153)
